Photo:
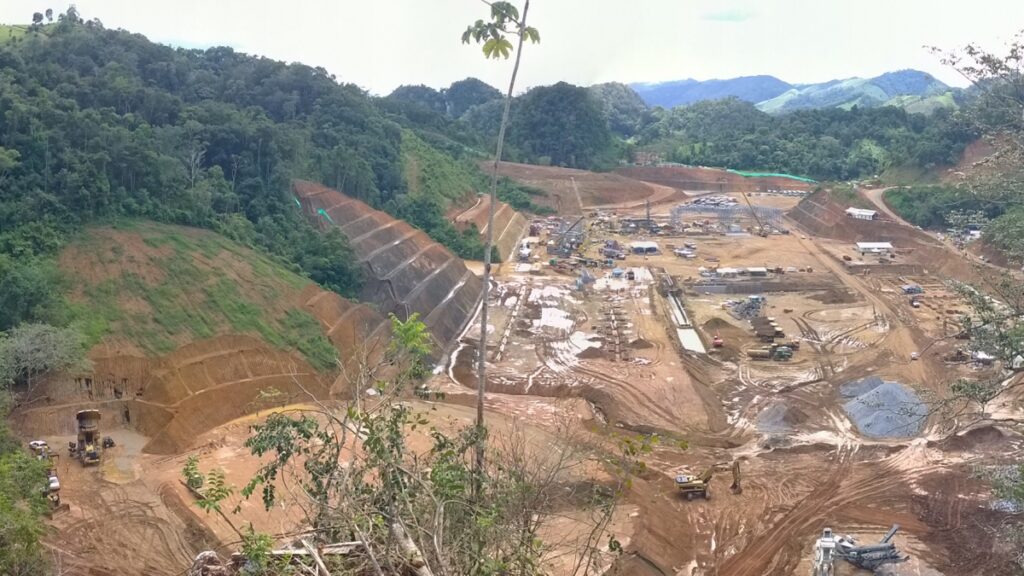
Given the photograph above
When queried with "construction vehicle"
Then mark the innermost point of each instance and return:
(779, 353)
(824, 554)
(51, 488)
(694, 486)
(88, 448)
(870, 557)
(782, 353)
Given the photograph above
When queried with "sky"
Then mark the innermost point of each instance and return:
(381, 44)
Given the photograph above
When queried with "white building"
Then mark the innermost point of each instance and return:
(861, 214)
(644, 247)
(874, 248)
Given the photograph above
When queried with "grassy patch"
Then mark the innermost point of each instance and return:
(11, 32)
(202, 286)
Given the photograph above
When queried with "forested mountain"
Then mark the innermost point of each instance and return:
(683, 92)
(621, 105)
(827, 144)
(453, 101)
(912, 89)
(903, 88)
(98, 125)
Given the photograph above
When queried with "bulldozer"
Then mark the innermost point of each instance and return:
(88, 449)
(698, 486)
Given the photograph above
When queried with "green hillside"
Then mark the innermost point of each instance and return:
(912, 90)
(12, 32)
(156, 287)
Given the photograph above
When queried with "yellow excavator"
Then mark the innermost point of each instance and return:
(698, 486)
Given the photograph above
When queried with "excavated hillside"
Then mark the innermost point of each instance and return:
(194, 331)
(509, 225)
(408, 272)
(820, 214)
(698, 178)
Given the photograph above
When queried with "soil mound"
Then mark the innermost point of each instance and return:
(592, 354)
(882, 409)
(779, 417)
(972, 440)
(640, 344)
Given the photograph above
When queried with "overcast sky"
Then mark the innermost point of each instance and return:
(380, 44)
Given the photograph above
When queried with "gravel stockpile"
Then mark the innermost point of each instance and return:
(777, 417)
(883, 409)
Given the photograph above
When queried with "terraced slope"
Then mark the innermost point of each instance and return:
(193, 331)
(408, 272)
(509, 225)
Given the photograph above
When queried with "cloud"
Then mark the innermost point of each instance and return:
(730, 15)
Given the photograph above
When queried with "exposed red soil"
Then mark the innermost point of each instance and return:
(509, 225)
(708, 179)
(408, 271)
(571, 191)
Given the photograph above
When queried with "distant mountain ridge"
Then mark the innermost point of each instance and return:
(914, 90)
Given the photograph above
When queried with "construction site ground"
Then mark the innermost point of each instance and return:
(607, 361)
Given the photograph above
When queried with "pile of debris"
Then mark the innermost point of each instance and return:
(747, 309)
(883, 409)
(304, 556)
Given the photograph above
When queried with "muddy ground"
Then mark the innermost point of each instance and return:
(606, 360)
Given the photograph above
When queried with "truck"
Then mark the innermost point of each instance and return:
(781, 353)
(88, 448)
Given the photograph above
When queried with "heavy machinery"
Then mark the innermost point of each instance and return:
(88, 448)
(762, 230)
(779, 353)
(51, 488)
(568, 240)
(694, 486)
(828, 549)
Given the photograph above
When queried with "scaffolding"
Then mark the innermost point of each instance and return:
(726, 215)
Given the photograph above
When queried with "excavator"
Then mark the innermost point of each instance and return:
(694, 486)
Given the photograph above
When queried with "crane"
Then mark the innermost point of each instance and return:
(762, 231)
(563, 248)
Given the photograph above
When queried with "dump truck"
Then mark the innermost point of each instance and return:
(88, 448)
(782, 353)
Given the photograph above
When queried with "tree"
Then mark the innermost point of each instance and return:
(8, 162)
(421, 95)
(49, 14)
(562, 124)
(37, 18)
(31, 350)
(418, 512)
(465, 94)
(493, 35)
(22, 505)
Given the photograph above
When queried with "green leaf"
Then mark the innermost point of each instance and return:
(497, 48)
(531, 34)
